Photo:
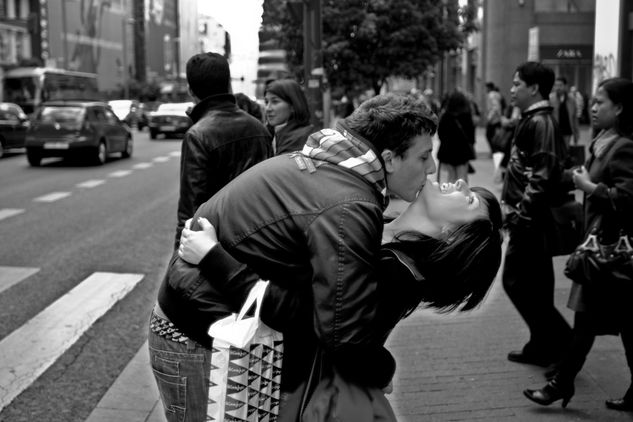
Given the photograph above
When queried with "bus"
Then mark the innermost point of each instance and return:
(29, 87)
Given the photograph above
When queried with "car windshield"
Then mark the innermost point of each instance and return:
(8, 115)
(67, 117)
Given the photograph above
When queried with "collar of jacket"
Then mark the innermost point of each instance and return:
(216, 102)
(348, 149)
(537, 106)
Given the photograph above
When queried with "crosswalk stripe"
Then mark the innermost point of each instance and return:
(120, 173)
(90, 183)
(175, 153)
(30, 350)
(52, 197)
(9, 212)
(13, 275)
(142, 166)
(160, 159)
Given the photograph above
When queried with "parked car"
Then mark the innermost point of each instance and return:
(13, 125)
(169, 119)
(128, 111)
(84, 129)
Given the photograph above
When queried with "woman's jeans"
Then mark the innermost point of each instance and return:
(182, 375)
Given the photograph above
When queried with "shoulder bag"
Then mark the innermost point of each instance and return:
(594, 262)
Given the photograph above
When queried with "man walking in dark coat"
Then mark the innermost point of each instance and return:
(532, 180)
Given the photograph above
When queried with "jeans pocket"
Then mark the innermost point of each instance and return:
(172, 387)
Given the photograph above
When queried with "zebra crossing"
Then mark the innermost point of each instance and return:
(32, 348)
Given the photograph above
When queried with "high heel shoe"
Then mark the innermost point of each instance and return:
(553, 391)
(620, 404)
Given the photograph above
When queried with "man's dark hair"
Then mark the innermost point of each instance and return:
(537, 73)
(208, 74)
(391, 121)
(562, 79)
(490, 86)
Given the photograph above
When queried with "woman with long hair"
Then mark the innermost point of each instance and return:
(287, 115)
(606, 181)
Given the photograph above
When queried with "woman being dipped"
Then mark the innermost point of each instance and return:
(288, 115)
(442, 252)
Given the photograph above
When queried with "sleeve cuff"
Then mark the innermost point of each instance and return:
(219, 264)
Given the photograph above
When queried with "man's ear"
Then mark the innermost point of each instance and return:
(387, 157)
(534, 89)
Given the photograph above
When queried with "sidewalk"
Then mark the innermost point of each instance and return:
(450, 367)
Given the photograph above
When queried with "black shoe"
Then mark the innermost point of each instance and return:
(620, 404)
(520, 356)
(552, 392)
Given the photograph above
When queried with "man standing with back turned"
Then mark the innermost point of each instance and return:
(224, 140)
(532, 179)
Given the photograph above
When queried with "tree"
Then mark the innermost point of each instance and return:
(367, 41)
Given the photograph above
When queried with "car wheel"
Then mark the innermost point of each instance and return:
(129, 148)
(33, 158)
(101, 153)
(152, 134)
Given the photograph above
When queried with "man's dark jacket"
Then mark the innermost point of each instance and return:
(534, 175)
(222, 143)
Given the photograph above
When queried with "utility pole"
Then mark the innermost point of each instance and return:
(313, 59)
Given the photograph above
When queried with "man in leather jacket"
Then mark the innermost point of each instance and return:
(531, 186)
(223, 141)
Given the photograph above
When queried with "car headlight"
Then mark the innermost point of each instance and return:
(82, 138)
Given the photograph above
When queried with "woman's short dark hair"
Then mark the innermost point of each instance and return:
(620, 92)
(391, 121)
(208, 74)
(460, 269)
(537, 73)
(290, 91)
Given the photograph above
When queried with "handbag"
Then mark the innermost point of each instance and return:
(246, 364)
(593, 261)
(566, 232)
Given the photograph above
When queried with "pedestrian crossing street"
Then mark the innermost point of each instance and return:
(32, 348)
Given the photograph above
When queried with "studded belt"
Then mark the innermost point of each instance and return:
(165, 328)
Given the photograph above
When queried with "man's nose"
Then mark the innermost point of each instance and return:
(431, 168)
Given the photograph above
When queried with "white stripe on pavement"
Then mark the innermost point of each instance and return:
(120, 173)
(13, 275)
(160, 159)
(175, 153)
(90, 183)
(30, 350)
(52, 197)
(142, 166)
(9, 212)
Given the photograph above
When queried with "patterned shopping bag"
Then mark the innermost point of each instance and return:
(246, 365)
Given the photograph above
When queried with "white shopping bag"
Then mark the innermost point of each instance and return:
(245, 365)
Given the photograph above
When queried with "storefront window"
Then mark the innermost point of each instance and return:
(565, 6)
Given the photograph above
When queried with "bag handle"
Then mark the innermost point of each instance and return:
(255, 296)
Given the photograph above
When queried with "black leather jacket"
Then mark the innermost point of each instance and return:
(535, 170)
(315, 234)
(223, 142)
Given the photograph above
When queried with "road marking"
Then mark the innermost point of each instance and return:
(9, 212)
(30, 350)
(142, 166)
(120, 173)
(175, 153)
(10, 276)
(52, 197)
(160, 159)
(90, 183)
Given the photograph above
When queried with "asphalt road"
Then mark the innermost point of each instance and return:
(125, 224)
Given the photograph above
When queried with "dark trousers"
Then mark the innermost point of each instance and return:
(528, 280)
(582, 341)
